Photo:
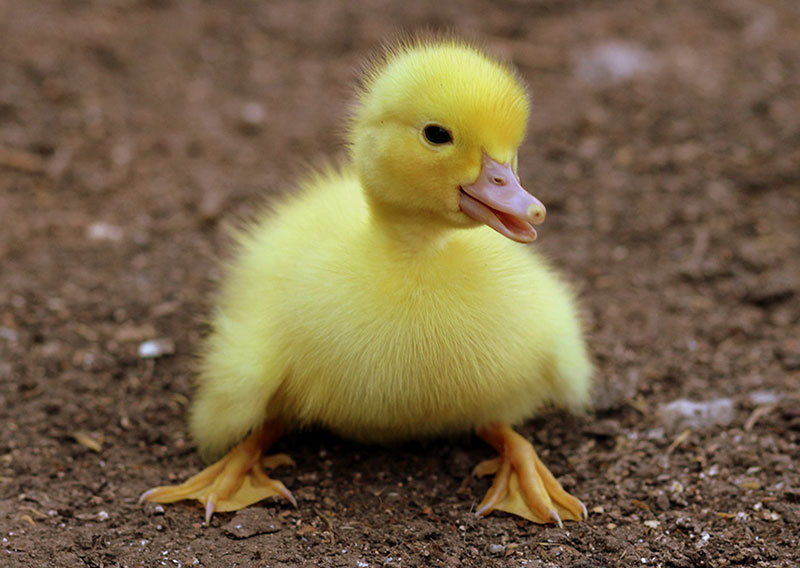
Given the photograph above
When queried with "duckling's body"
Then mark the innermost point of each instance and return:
(377, 341)
(372, 303)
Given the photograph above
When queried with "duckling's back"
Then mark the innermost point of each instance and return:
(323, 322)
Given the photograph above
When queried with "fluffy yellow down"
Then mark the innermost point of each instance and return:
(368, 304)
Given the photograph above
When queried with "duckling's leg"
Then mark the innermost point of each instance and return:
(523, 485)
(235, 481)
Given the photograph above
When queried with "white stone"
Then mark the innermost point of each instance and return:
(613, 62)
(156, 348)
(698, 415)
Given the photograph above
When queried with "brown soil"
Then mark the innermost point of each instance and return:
(131, 136)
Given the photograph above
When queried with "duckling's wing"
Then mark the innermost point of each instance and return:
(241, 371)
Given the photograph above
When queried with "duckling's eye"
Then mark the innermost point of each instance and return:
(437, 135)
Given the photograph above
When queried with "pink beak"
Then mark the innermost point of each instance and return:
(497, 199)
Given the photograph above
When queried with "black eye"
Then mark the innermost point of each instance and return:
(437, 135)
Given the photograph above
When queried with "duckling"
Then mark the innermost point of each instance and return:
(391, 299)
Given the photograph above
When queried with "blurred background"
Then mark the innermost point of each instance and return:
(665, 142)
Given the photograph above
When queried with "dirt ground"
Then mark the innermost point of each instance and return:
(665, 142)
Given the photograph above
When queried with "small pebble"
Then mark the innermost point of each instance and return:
(104, 232)
(8, 334)
(704, 538)
(684, 413)
(771, 516)
(764, 397)
(613, 62)
(156, 348)
(251, 117)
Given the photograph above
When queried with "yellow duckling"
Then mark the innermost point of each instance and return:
(388, 300)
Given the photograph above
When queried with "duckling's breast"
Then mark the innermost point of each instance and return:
(380, 349)
(377, 343)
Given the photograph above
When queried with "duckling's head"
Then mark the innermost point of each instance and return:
(435, 136)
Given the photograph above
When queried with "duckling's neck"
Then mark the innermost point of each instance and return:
(406, 231)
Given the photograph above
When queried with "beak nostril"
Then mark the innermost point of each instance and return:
(536, 214)
(498, 180)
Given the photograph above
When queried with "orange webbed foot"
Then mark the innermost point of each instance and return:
(235, 481)
(522, 485)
